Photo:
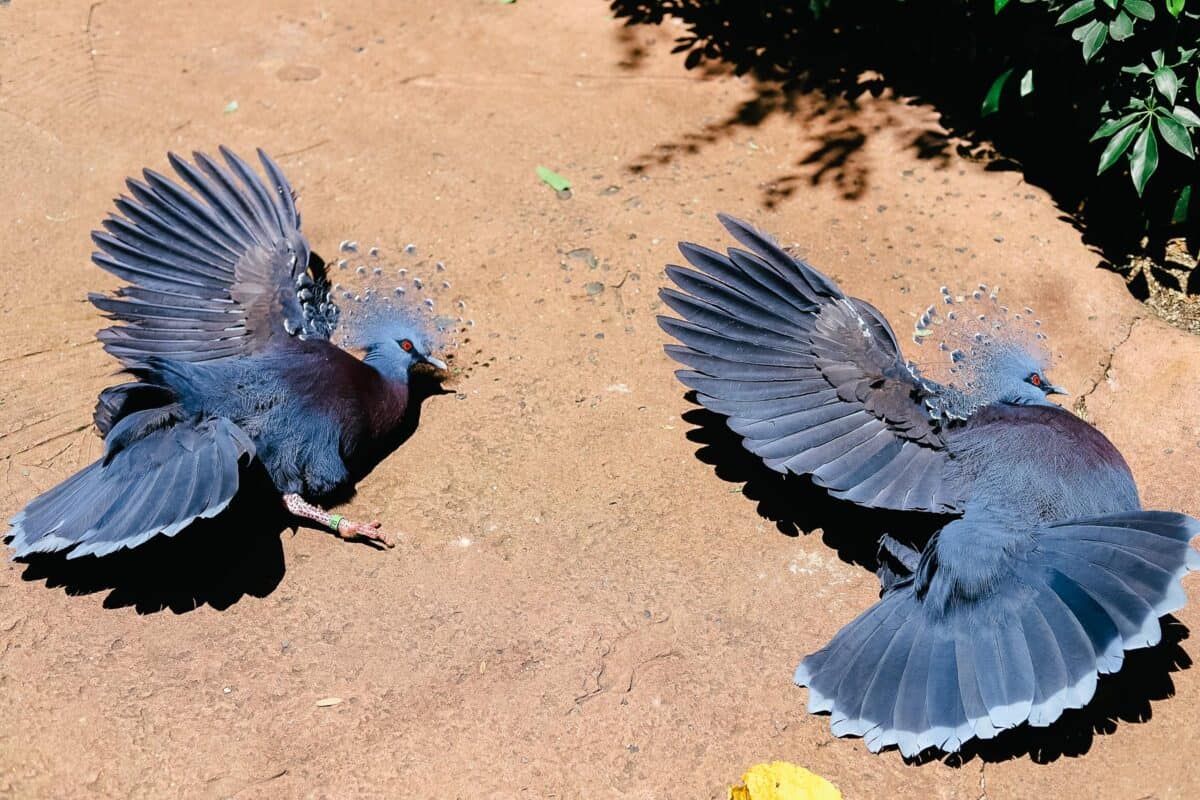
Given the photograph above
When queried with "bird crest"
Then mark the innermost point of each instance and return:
(383, 297)
(976, 339)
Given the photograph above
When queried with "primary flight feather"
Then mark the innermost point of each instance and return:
(225, 327)
(1046, 571)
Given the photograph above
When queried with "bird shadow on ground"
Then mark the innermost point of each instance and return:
(796, 505)
(215, 562)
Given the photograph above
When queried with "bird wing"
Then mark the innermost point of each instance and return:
(214, 273)
(810, 378)
(158, 475)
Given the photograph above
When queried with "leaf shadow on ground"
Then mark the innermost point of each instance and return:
(797, 506)
(818, 69)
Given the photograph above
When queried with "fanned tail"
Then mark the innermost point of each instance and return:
(998, 629)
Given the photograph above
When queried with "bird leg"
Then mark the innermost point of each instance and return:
(890, 554)
(336, 522)
(908, 557)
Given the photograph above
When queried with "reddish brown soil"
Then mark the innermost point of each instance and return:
(580, 606)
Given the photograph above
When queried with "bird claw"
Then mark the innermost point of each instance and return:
(366, 530)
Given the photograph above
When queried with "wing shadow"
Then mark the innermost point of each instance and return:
(215, 562)
(796, 505)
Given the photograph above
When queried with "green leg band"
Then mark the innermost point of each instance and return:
(335, 522)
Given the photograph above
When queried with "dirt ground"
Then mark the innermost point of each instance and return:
(596, 594)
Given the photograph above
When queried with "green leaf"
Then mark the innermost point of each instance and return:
(232, 107)
(1176, 135)
(1121, 27)
(1186, 116)
(552, 179)
(1111, 4)
(1136, 69)
(1000, 4)
(1112, 126)
(1157, 55)
(1175, 7)
(1181, 206)
(1080, 9)
(1140, 9)
(1117, 146)
(1027, 83)
(1167, 82)
(1143, 160)
(1094, 40)
(991, 102)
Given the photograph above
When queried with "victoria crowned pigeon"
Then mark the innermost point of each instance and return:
(227, 328)
(1046, 569)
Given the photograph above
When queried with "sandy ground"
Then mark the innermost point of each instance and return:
(596, 594)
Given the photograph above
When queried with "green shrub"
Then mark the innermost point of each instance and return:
(1142, 61)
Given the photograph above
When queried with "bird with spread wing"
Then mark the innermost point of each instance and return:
(226, 329)
(1046, 570)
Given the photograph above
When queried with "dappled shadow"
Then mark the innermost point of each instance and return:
(818, 68)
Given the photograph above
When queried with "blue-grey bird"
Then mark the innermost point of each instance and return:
(1046, 570)
(226, 328)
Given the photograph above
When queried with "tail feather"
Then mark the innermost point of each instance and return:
(880, 697)
(864, 656)
(1053, 687)
(911, 713)
(974, 645)
(156, 483)
(944, 710)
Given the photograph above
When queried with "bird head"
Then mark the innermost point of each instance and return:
(396, 353)
(389, 314)
(1020, 378)
(988, 354)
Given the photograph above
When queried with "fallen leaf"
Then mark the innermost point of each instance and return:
(326, 702)
(232, 107)
(552, 179)
(780, 780)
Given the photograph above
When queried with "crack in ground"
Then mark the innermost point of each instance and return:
(94, 78)
(656, 657)
(1081, 402)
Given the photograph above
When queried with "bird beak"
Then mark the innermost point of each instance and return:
(435, 368)
(1052, 389)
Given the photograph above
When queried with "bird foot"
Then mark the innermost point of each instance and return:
(347, 529)
(367, 530)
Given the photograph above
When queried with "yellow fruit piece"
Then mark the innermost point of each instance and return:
(780, 780)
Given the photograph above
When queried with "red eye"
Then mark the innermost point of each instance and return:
(1035, 379)
(406, 345)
